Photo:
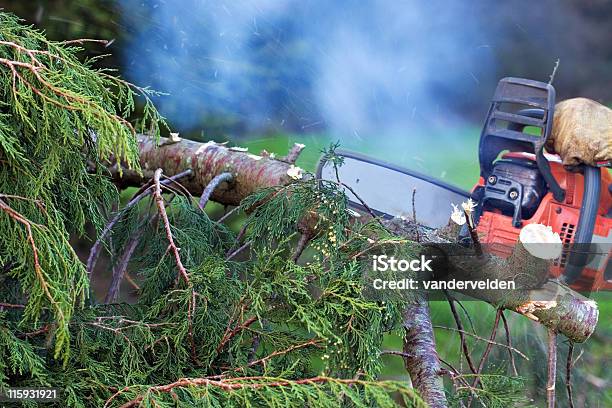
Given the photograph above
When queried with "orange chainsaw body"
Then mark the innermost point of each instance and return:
(499, 235)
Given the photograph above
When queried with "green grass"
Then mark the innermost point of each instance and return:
(450, 157)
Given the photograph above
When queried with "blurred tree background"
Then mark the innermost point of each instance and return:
(271, 101)
(406, 81)
(522, 38)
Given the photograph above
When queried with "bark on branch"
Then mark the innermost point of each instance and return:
(553, 304)
(207, 160)
(420, 355)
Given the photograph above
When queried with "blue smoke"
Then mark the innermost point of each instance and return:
(351, 67)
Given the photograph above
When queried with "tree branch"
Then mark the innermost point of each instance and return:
(568, 374)
(214, 183)
(552, 368)
(159, 201)
(459, 324)
(207, 160)
(421, 359)
(293, 153)
(120, 268)
(144, 191)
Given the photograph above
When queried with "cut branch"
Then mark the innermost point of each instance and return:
(567, 312)
(293, 153)
(421, 359)
(161, 207)
(552, 304)
(207, 160)
(214, 183)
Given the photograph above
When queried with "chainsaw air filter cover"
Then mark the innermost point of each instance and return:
(516, 187)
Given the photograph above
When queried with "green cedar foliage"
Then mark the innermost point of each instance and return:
(257, 324)
(254, 329)
(58, 117)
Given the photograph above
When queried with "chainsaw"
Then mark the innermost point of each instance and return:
(519, 184)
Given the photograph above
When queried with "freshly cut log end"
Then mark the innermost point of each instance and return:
(540, 241)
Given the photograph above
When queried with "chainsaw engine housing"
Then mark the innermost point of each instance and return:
(516, 187)
(497, 230)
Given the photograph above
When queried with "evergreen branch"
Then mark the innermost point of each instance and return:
(58, 115)
(257, 383)
(159, 201)
(73, 100)
(277, 353)
(62, 321)
(232, 254)
(11, 305)
(233, 332)
(485, 355)
(142, 193)
(228, 214)
(361, 200)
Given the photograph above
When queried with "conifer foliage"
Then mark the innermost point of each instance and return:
(57, 117)
(212, 326)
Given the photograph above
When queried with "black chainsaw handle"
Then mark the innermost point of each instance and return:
(543, 165)
(579, 252)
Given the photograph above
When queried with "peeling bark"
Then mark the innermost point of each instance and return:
(207, 160)
(420, 355)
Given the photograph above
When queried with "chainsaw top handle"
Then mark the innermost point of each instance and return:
(516, 104)
(580, 249)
